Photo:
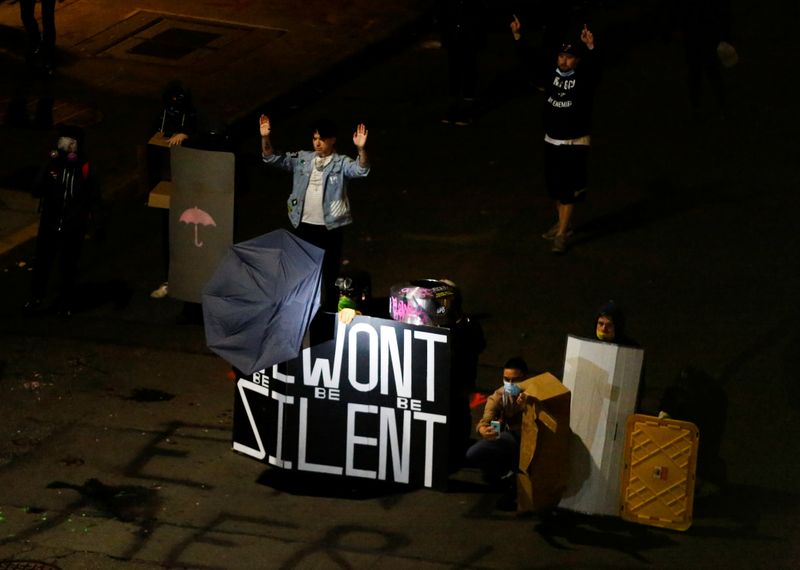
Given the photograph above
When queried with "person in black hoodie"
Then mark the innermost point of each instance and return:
(67, 195)
(178, 120)
(609, 326)
(567, 123)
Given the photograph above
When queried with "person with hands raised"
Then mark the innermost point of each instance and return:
(319, 205)
(567, 121)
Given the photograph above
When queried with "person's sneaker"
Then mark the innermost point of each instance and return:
(559, 244)
(161, 292)
(551, 233)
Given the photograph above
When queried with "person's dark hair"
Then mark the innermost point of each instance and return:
(325, 127)
(613, 311)
(517, 363)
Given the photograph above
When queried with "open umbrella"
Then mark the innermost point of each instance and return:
(260, 300)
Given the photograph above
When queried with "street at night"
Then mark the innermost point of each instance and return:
(116, 422)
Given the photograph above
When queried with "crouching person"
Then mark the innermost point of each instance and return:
(496, 453)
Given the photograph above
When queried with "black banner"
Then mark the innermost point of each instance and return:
(372, 403)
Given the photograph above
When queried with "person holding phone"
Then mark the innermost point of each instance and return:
(496, 453)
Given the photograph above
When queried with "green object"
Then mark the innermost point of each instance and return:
(346, 303)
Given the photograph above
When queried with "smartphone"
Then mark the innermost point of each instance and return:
(495, 426)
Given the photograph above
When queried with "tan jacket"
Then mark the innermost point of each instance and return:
(509, 414)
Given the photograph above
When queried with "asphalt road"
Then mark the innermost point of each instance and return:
(689, 225)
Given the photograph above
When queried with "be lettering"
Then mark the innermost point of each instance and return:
(326, 394)
(409, 404)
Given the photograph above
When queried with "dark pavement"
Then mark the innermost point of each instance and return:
(689, 225)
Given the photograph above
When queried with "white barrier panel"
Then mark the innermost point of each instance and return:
(604, 381)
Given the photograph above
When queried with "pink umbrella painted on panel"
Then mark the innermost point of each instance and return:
(197, 217)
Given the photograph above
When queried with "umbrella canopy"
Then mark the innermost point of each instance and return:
(260, 300)
(197, 216)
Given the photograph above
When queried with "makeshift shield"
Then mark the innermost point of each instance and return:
(604, 380)
(200, 218)
(260, 300)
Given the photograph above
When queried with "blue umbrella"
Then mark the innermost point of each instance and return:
(260, 300)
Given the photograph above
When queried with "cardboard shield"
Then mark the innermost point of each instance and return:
(544, 445)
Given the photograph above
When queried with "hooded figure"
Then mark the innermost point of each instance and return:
(177, 113)
(67, 195)
(63, 186)
(609, 325)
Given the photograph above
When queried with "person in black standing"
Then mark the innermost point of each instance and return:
(567, 120)
(67, 196)
(42, 44)
(467, 342)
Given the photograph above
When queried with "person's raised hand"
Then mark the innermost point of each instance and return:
(360, 136)
(264, 125)
(515, 27)
(587, 37)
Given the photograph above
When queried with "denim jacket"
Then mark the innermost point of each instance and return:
(335, 203)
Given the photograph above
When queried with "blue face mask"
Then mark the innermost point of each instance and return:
(512, 389)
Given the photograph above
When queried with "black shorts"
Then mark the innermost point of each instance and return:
(566, 172)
